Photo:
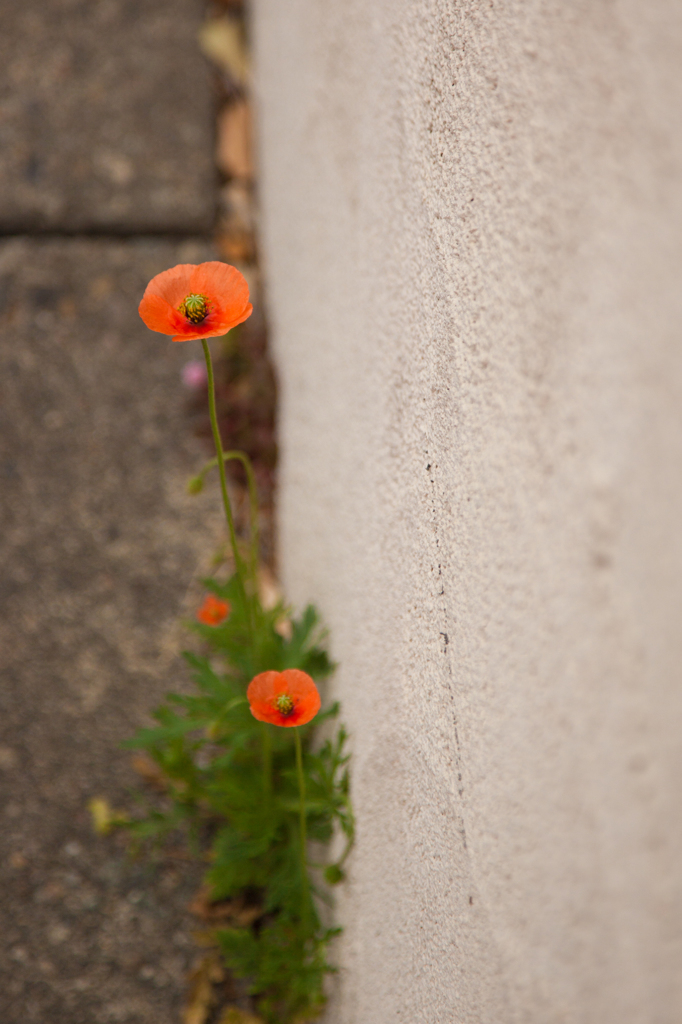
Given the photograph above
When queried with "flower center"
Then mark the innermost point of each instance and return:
(284, 704)
(194, 307)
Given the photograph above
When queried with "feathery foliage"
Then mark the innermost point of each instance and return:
(232, 786)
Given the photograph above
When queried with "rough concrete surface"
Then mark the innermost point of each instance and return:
(99, 543)
(473, 234)
(106, 119)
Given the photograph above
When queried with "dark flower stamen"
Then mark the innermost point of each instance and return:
(195, 308)
(284, 704)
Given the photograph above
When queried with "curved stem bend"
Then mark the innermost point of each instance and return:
(238, 561)
(253, 497)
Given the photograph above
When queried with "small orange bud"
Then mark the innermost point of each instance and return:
(213, 611)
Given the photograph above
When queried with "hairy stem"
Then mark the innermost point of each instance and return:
(238, 561)
(253, 499)
(267, 760)
(305, 887)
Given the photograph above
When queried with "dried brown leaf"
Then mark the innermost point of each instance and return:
(235, 910)
(237, 206)
(233, 1015)
(222, 40)
(150, 771)
(104, 817)
(201, 999)
(234, 154)
(236, 246)
(205, 939)
(269, 589)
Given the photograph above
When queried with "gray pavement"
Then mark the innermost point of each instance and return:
(99, 543)
(106, 117)
(106, 126)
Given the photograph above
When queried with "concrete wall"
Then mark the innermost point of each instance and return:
(473, 237)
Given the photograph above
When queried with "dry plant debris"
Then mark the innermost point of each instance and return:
(246, 391)
(234, 154)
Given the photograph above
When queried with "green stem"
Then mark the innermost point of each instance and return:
(253, 500)
(305, 888)
(239, 564)
(267, 760)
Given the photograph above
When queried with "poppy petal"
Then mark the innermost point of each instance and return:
(223, 283)
(212, 327)
(159, 316)
(173, 285)
(224, 287)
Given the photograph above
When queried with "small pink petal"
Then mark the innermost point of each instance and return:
(194, 374)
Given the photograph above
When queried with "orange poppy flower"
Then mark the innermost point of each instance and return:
(213, 611)
(191, 301)
(283, 698)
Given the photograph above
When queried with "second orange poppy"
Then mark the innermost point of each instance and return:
(283, 698)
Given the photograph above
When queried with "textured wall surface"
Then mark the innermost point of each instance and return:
(473, 232)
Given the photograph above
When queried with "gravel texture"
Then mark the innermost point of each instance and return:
(106, 118)
(99, 542)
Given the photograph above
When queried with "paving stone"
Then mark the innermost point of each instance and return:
(106, 117)
(99, 542)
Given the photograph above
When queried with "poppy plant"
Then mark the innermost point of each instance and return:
(283, 698)
(213, 611)
(191, 301)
